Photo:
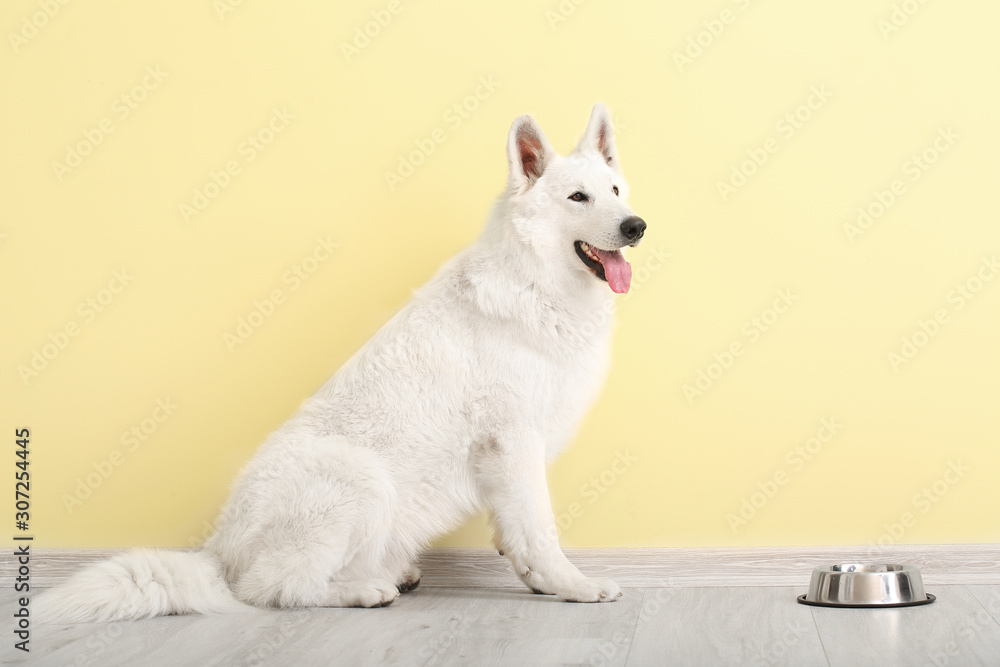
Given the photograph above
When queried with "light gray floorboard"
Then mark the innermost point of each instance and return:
(725, 626)
(954, 630)
(403, 634)
(44, 640)
(517, 627)
(487, 626)
(409, 632)
(170, 640)
(989, 597)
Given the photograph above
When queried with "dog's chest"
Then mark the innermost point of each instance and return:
(540, 380)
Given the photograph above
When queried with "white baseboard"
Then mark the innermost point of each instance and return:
(636, 568)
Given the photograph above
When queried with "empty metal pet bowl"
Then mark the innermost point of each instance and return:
(866, 585)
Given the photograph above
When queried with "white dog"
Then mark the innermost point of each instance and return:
(454, 406)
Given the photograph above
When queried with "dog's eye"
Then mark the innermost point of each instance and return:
(614, 188)
(579, 196)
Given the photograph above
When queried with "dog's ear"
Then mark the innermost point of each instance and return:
(600, 136)
(528, 152)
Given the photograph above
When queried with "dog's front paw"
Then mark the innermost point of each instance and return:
(592, 590)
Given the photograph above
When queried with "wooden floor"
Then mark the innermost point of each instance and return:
(489, 626)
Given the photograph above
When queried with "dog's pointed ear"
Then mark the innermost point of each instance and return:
(528, 152)
(600, 136)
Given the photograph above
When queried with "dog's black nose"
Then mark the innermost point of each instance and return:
(633, 228)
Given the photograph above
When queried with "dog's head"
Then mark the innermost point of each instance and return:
(574, 209)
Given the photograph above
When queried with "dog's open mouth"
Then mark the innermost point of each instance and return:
(608, 265)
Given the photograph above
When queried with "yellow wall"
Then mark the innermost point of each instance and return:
(167, 285)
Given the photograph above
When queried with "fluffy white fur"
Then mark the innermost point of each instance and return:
(455, 405)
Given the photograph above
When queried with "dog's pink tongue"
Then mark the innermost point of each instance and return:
(617, 271)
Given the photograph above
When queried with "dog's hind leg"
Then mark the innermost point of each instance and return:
(370, 593)
(305, 574)
(313, 540)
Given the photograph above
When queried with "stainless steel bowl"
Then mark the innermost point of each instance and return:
(866, 585)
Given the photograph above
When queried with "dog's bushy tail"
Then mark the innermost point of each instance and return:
(141, 583)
